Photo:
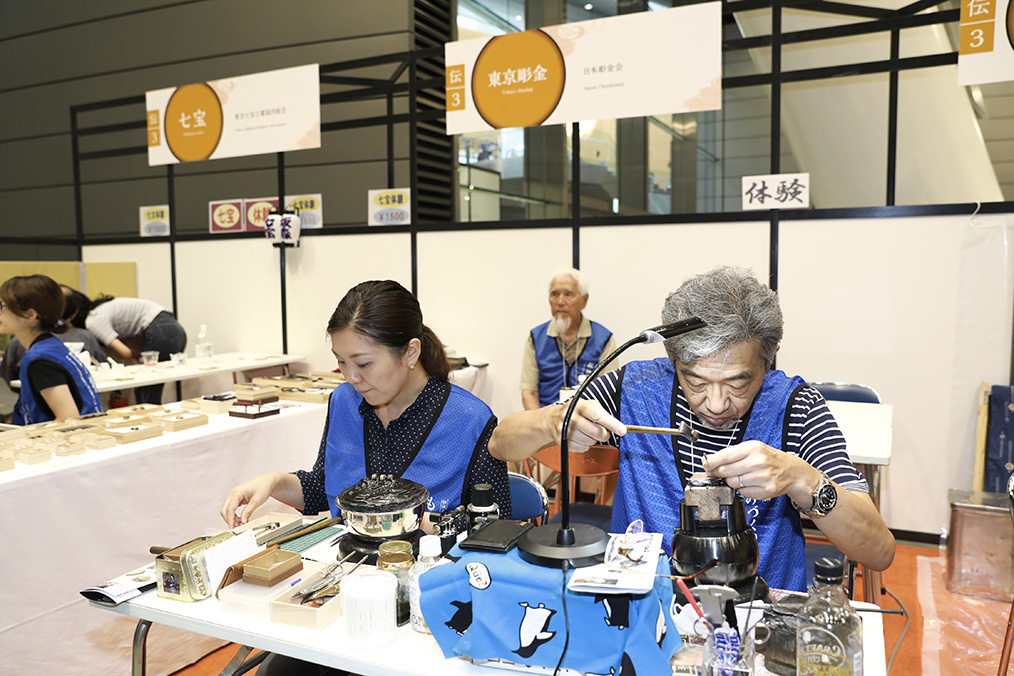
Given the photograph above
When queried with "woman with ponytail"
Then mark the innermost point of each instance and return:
(54, 383)
(397, 414)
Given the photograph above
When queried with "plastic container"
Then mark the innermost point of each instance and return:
(429, 555)
(204, 347)
(252, 600)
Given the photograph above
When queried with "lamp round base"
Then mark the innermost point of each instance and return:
(542, 546)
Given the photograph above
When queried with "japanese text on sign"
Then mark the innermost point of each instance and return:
(776, 191)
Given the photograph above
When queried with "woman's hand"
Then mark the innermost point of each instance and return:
(244, 499)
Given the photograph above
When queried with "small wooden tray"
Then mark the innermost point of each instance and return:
(191, 404)
(70, 448)
(126, 435)
(271, 567)
(174, 422)
(6, 463)
(33, 456)
(148, 409)
(97, 441)
(130, 420)
(317, 395)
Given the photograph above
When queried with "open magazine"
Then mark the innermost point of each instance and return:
(629, 567)
(122, 588)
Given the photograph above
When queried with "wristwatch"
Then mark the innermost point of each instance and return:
(825, 497)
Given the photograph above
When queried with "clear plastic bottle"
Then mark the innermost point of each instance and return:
(204, 347)
(429, 556)
(829, 641)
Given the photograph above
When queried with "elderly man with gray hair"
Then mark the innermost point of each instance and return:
(769, 435)
(569, 346)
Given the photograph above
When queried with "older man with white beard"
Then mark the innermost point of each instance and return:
(569, 346)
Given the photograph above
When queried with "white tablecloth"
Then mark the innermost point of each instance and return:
(85, 519)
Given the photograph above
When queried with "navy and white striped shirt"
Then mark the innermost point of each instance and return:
(813, 433)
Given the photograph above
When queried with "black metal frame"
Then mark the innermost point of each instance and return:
(871, 20)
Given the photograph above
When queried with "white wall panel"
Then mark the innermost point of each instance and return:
(154, 274)
(918, 309)
(322, 270)
(631, 270)
(482, 292)
(233, 287)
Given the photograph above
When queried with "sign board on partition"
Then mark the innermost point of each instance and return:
(390, 207)
(154, 220)
(647, 63)
(985, 43)
(776, 191)
(274, 111)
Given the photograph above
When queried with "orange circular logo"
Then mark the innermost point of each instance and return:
(518, 79)
(193, 122)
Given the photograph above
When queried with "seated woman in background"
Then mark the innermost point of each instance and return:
(129, 326)
(55, 385)
(397, 403)
(10, 365)
(397, 414)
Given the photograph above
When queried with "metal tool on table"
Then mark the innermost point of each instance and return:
(327, 586)
(684, 431)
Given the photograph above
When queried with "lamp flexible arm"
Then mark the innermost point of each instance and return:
(653, 335)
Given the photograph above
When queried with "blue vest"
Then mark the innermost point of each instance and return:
(554, 373)
(441, 465)
(28, 410)
(649, 486)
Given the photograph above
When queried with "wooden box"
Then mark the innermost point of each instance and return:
(253, 412)
(247, 393)
(174, 422)
(217, 403)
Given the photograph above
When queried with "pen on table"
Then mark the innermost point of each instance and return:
(295, 582)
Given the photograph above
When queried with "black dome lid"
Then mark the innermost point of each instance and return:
(384, 493)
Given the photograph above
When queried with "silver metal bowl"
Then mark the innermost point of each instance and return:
(383, 524)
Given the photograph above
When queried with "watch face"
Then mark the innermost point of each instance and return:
(826, 498)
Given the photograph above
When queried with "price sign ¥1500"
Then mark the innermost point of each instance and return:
(390, 207)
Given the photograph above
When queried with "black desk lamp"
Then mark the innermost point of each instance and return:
(581, 544)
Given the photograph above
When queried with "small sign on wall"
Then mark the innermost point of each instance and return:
(257, 210)
(225, 216)
(390, 207)
(310, 209)
(776, 191)
(155, 221)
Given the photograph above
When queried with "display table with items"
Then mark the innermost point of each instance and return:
(109, 378)
(73, 516)
(289, 586)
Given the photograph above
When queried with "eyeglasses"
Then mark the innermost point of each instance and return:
(629, 549)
